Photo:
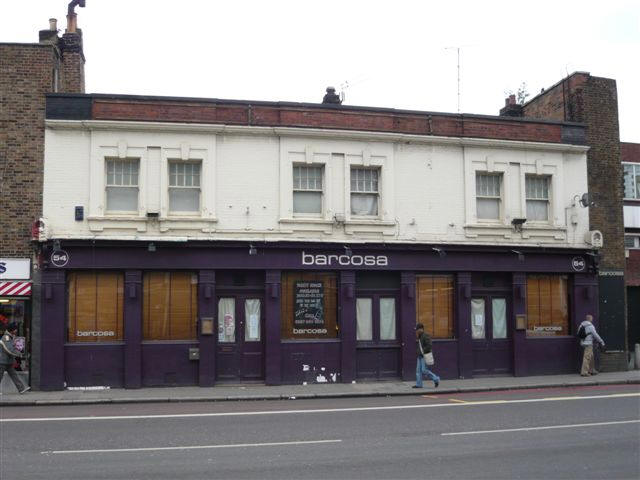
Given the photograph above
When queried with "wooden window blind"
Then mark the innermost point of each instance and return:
(435, 304)
(547, 305)
(95, 311)
(170, 305)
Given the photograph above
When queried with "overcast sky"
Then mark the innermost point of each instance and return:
(399, 54)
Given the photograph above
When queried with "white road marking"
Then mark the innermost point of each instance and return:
(550, 427)
(317, 410)
(193, 447)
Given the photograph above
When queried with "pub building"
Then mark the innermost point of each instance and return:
(203, 241)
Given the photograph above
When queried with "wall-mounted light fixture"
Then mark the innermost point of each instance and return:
(252, 250)
(439, 251)
(520, 255)
(347, 250)
(151, 247)
(56, 245)
(517, 224)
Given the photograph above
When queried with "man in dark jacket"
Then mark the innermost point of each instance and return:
(8, 353)
(423, 345)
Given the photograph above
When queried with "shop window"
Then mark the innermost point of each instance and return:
(309, 305)
(364, 319)
(95, 308)
(122, 185)
(537, 193)
(184, 187)
(307, 190)
(488, 196)
(435, 304)
(387, 319)
(631, 181)
(170, 305)
(364, 191)
(547, 305)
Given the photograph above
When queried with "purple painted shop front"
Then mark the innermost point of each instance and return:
(488, 283)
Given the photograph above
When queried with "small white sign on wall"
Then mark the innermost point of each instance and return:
(15, 269)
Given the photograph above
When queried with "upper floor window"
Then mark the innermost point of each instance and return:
(364, 191)
(488, 196)
(122, 185)
(307, 189)
(631, 181)
(184, 186)
(537, 194)
(631, 241)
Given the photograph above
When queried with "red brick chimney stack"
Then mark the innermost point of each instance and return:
(72, 53)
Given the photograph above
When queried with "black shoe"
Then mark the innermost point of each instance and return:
(25, 390)
(436, 383)
(416, 386)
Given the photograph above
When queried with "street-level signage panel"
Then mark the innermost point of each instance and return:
(15, 269)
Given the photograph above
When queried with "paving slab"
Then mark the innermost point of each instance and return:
(253, 392)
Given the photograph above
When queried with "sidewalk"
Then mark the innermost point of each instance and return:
(331, 390)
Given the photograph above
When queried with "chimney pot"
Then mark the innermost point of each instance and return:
(512, 99)
(53, 24)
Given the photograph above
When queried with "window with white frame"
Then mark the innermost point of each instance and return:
(537, 196)
(631, 241)
(364, 191)
(122, 185)
(184, 186)
(631, 181)
(307, 189)
(488, 195)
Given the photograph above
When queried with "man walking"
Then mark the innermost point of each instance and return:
(8, 352)
(423, 345)
(586, 341)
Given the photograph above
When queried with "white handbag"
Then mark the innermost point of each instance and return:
(428, 357)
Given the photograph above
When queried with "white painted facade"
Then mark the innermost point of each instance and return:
(427, 185)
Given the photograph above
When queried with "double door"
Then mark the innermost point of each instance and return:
(377, 337)
(491, 334)
(240, 340)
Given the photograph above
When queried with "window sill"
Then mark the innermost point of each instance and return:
(370, 221)
(307, 220)
(140, 223)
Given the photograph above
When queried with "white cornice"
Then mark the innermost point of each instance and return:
(89, 125)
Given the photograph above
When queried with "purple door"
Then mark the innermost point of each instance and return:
(377, 337)
(491, 335)
(240, 345)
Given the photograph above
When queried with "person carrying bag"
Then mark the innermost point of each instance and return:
(424, 358)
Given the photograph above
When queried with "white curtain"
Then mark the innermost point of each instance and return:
(364, 319)
(184, 199)
(488, 208)
(387, 319)
(307, 202)
(252, 320)
(537, 210)
(477, 318)
(364, 204)
(227, 320)
(499, 309)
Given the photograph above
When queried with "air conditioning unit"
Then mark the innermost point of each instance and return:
(594, 238)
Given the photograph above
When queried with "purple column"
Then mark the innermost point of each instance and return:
(133, 329)
(408, 324)
(519, 300)
(273, 374)
(53, 307)
(347, 312)
(207, 340)
(465, 345)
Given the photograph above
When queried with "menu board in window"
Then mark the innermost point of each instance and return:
(309, 304)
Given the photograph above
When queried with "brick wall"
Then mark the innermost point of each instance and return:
(630, 152)
(26, 74)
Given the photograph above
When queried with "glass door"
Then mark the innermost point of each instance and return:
(490, 333)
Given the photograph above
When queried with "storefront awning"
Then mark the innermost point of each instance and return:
(15, 289)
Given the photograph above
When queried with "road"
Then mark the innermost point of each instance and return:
(586, 432)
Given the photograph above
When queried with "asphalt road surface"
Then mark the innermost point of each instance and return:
(587, 432)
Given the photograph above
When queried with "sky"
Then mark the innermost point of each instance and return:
(398, 54)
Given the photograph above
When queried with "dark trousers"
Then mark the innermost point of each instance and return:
(14, 376)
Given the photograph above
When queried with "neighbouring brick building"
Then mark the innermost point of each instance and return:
(593, 102)
(630, 158)
(28, 71)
